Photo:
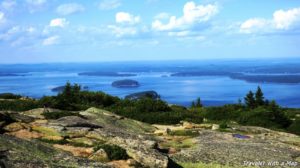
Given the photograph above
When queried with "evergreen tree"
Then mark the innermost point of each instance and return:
(198, 102)
(193, 104)
(250, 100)
(67, 90)
(259, 97)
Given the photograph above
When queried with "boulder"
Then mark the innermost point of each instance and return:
(13, 127)
(20, 117)
(35, 113)
(76, 132)
(5, 119)
(76, 151)
(222, 148)
(75, 121)
(188, 125)
(142, 151)
(25, 134)
(215, 127)
(16, 153)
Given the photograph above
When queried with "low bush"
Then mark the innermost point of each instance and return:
(18, 105)
(9, 96)
(226, 112)
(295, 127)
(114, 152)
(264, 117)
(223, 125)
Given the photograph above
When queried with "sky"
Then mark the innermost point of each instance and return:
(41, 31)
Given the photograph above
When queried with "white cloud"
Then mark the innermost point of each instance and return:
(36, 5)
(123, 17)
(192, 14)
(30, 29)
(2, 18)
(10, 33)
(51, 40)
(109, 4)
(67, 9)
(286, 19)
(179, 34)
(58, 22)
(281, 21)
(122, 31)
(253, 25)
(36, 2)
(8, 4)
(162, 16)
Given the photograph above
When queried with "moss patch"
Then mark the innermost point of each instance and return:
(46, 130)
(178, 143)
(190, 133)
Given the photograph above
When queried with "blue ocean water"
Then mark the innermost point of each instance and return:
(213, 90)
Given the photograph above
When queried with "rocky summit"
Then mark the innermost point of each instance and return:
(99, 138)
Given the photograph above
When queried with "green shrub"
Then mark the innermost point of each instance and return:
(114, 152)
(18, 105)
(226, 112)
(295, 127)
(72, 98)
(9, 96)
(223, 125)
(264, 117)
(58, 114)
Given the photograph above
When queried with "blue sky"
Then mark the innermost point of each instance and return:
(33, 31)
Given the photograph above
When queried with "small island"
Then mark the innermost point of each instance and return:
(126, 83)
(106, 74)
(62, 88)
(10, 74)
(146, 94)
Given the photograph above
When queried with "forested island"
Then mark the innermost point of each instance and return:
(249, 77)
(125, 83)
(108, 74)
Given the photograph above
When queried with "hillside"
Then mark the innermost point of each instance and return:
(99, 138)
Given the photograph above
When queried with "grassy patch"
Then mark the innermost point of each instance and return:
(81, 142)
(190, 133)
(178, 143)
(46, 131)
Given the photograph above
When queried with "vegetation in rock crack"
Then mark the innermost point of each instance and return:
(114, 152)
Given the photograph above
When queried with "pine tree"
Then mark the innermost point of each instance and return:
(67, 90)
(249, 100)
(198, 102)
(259, 97)
(193, 104)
